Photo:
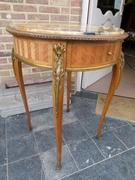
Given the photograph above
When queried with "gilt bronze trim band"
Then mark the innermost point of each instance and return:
(73, 69)
(24, 60)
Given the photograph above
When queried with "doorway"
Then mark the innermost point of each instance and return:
(105, 13)
(126, 87)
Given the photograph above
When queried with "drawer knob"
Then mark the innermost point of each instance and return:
(110, 53)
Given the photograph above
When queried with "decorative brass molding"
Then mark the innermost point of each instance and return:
(122, 60)
(65, 36)
(73, 69)
(24, 60)
(122, 63)
(90, 68)
(58, 72)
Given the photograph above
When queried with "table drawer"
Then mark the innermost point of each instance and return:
(92, 54)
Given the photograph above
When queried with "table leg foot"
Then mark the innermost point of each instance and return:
(58, 167)
(98, 137)
(29, 129)
(68, 110)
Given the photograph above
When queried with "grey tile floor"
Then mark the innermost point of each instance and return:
(31, 155)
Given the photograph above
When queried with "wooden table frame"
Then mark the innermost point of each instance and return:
(63, 53)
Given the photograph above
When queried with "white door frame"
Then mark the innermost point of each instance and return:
(88, 17)
(84, 21)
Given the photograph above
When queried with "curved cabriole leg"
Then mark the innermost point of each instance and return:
(58, 92)
(68, 90)
(116, 76)
(18, 74)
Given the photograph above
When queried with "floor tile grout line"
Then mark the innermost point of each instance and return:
(118, 127)
(105, 123)
(122, 152)
(113, 129)
(88, 167)
(73, 141)
(39, 156)
(36, 142)
(43, 168)
(17, 136)
(98, 162)
(107, 130)
(120, 140)
(88, 108)
(81, 140)
(92, 139)
(91, 110)
(23, 159)
(64, 140)
(3, 165)
(84, 138)
(103, 133)
(72, 157)
(131, 125)
(98, 148)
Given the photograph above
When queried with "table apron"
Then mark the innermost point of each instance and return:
(80, 56)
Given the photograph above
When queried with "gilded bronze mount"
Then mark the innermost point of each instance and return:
(58, 72)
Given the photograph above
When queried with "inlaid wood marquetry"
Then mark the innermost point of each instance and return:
(33, 52)
(89, 55)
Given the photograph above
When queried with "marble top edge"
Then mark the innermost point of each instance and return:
(64, 29)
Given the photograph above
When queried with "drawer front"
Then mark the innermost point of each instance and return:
(94, 54)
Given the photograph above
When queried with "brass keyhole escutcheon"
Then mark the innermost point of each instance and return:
(110, 53)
